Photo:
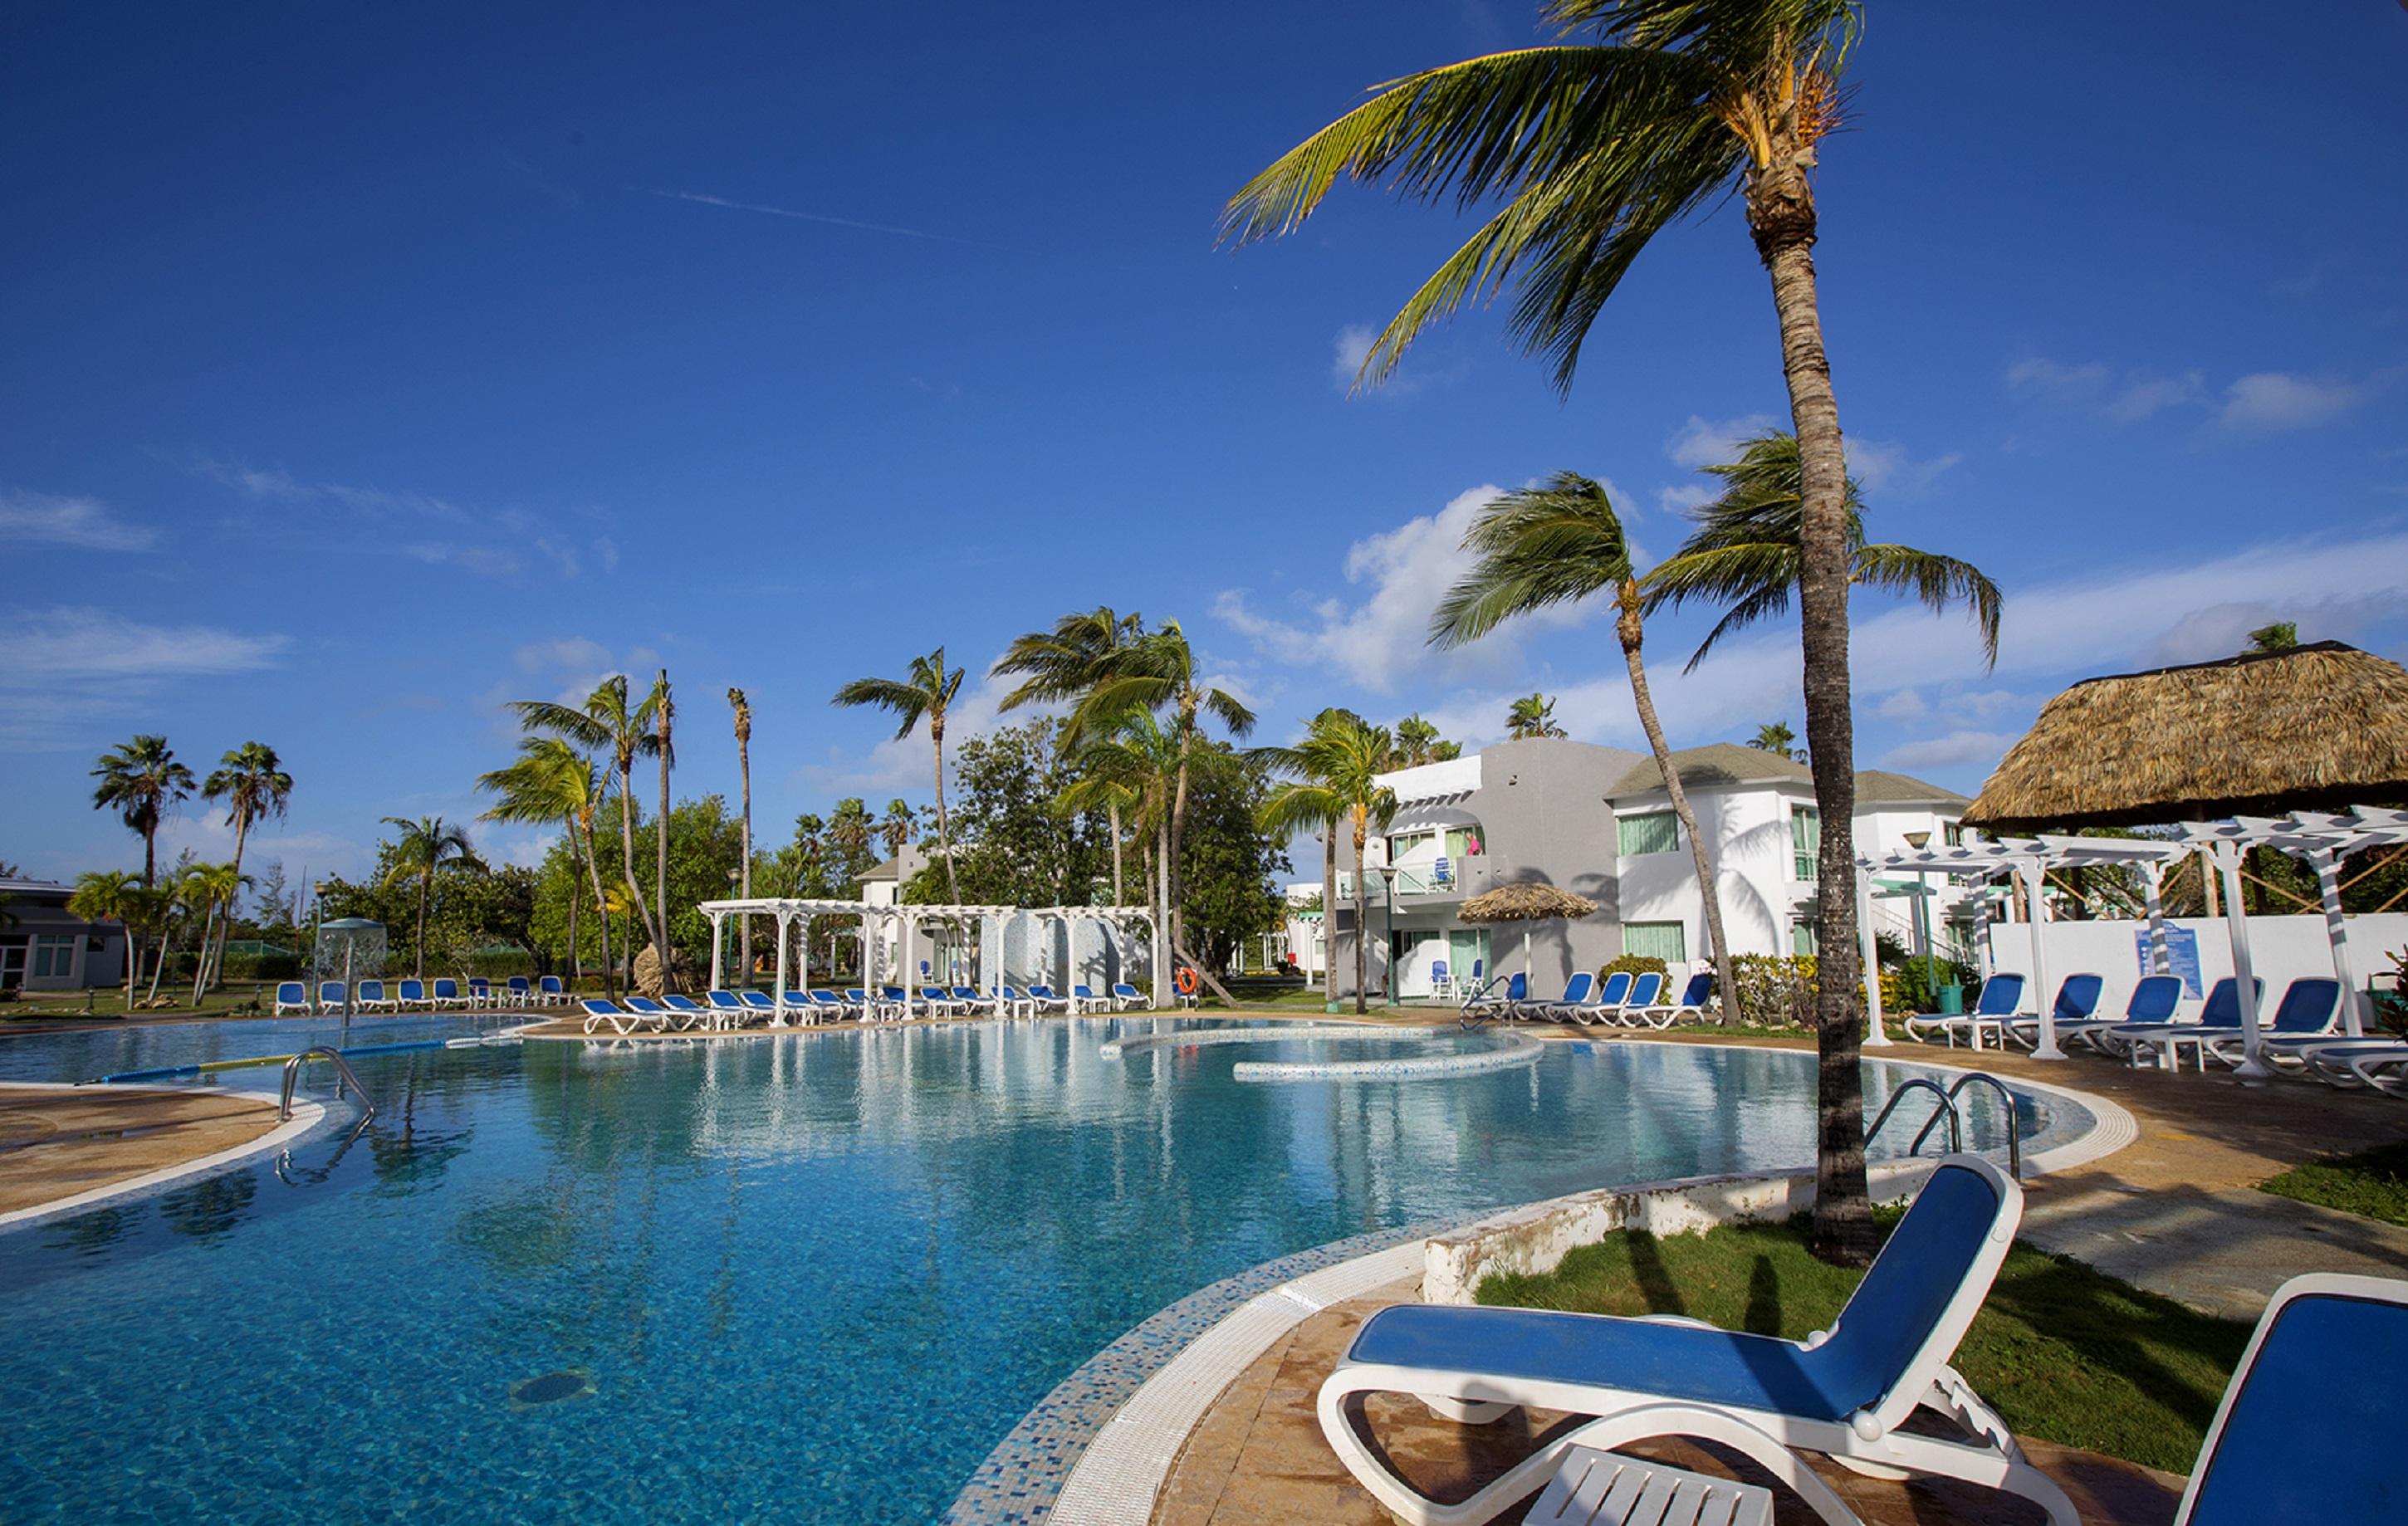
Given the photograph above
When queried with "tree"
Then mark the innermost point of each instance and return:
(274, 904)
(1142, 756)
(553, 784)
(1309, 804)
(2281, 635)
(1594, 149)
(1418, 742)
(253, 782)
(1232, 865)
(743, 708)
(108, 895)
(1557, 545)
(663, 710)
(143, 780)
(1532, 716)
(1774, 736)
(1744, 554)
(1021, 843)
(1338, 764)
(850, 834)
(608, 720)
(1066, 664)
(1157, 671)
(928, 691)
(895, 828)
(426, 847)
(210, 890)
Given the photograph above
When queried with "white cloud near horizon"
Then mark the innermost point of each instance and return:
(457, 544)
(1348, 351)
(1712, 442)
(2261, 402)
(72, 670)
(45, 519)
(2275, 400)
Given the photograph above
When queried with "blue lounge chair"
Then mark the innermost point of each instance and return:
(1576, 991)
(1011, 1002)
(2219, 1016)
(690, 1013)
(2276, 1453)
(828, 1004)
(2077, 1001)
(330, 995)
(1125, 996)
(2153, 1000)
(621, 1019)
(2002, 997)
(1581, 992)
(481, 992)
(517, 992)
(413, 994)
(1845, 1392)
(370, 997)
(1084, 999)
(1492, 1001)
(759, 1004)
(2307, 1016)
(1646, 989)
(1691, 1005)
(446, 994)
(938, 1001)
(967, 999)
(550, 992)
(292, 996)
(727, 1009)
(1041, 999)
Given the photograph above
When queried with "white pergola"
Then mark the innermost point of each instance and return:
(2323, 838)
(1114, 918)
(905, 919)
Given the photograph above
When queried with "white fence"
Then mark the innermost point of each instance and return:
(2281, 949)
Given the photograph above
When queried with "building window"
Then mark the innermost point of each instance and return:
(1953, 834)
(53, 956)
(1657, 832)
(1806, 841)
(1665, 941)
(1803, 939)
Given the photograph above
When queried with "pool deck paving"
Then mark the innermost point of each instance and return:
(57, 1142)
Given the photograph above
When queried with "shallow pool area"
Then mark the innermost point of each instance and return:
(808, 1277)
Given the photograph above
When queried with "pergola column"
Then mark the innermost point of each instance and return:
(777, 997)
(2236, 921)
(906, 925)
(718, 956)
(1873, 1034)
(2327, 864)
(2152, 881)
(2034, 872)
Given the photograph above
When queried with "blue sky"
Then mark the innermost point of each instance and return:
(367, 368)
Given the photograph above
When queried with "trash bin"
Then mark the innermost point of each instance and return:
(1952, 1001)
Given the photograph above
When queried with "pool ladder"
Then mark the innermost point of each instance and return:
(343, 1074)
(1948, 1109)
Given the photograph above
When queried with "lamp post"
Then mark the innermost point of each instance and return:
(1388, 875)
(1917, 840)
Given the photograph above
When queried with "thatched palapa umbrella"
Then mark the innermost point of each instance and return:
(2320, 727)
(1525, 901)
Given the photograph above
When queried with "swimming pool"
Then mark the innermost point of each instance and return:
(807, 1279)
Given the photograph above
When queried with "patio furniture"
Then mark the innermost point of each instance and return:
(1607, 1489)
(413, 994)
(549, 991)
(2002, 997)
(2077, 1002)
(2310, 1011)
(1491, 1001)
(370, 997)
(1011, 1002)
(1846, 1392)
(1692, 1004)
(726, 1007)
(481, 992)
(1041, 999)
(1577, 993)
(1646, 988)
(1125, 996)
(1084, 999)
(292, 996)
(2152, 1001)
(517, 992)
(2218, 1018)
(447, 992)
(828, 1004)
(599, 1011)
(690, 1013)
(330, 995)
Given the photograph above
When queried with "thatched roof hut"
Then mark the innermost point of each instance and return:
(2317, 727)
(1525, 900)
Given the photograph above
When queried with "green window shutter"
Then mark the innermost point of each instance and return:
(1804, 939)
(1657, 832)
(1806, 840)
(1665, 941)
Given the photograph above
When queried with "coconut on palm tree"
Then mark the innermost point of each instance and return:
(743, 710)
(1593, 148)
(554, 784)
(607, 720)
(143, 780)
(425, 848)
(928, 691)
(1561, 544)
(253, 782)
(1064, 666)
(1532, 716)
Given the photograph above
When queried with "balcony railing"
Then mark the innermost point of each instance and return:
(1456, 881)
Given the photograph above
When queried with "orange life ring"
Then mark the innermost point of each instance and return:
(1184, 980)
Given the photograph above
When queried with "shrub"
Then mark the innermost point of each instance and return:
(497, 963)
(263, 966)
(1637, 965)
(1775, 990)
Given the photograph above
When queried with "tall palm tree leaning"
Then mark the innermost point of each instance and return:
(253, 782)
(213, 889)
(663, 711)
(1743, 557)
(1348, 755)
(1138, 760)
(143, 780)
(608, 720)
(1309, 804)
(1560, 544)
(107, 895)
(1594, 148)
(1532, 716)
(553, 784)
(743, 708)
(928, 691)
(1064, 666)
(425, 847)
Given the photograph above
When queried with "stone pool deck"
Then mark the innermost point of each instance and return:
(60, 1142)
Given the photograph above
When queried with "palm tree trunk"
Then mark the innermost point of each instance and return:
(159, 966)
(133, 965)
(226, 925)
(201, 960)
(1329, 912)
(744, 921)
(1178, 890)
(601, 909)
(1781, 215)
(660, 858)
(1362, 913)
(1632, 633)
(1112, 815)
(944, 834)
(150, 852)
(628, 859)
(418, 968)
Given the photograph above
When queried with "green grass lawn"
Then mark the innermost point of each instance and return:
(2372, 1182)
(2065, 1353)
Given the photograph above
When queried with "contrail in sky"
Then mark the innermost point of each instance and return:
(820, 216)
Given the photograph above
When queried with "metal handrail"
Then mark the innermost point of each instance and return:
(343, 1073)
(1948, 1108)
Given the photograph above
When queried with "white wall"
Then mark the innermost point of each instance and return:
(2281, 949)
(1747, 840)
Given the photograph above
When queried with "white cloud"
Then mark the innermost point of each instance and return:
(1883, 466)
(2143, 395)
(1348, 352)
(1954, 750)
(1713, 442)
(1905, 705)
(460, 543)
(1683, 498)
(256, 482)
(2070, 383)
(2270, 400)
(905, 766)
(54, 647)
(50, 520)
(568, 651)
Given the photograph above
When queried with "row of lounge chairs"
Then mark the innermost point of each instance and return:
(724, 1009)
(1875, 1392)
(417, 995)
(2302, 1038)
(1621, 1000)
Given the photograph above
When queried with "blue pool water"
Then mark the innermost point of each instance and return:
(809, 1279)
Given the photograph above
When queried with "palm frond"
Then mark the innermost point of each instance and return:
(1538, 548)
(1937, 582)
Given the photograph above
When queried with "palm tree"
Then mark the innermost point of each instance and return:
(1532, 716)
(850, 830)
(1309, 804)
(1744, 555)
(1064, 666)
(607, 720)
(743, 708)
(144, 781)
(928, 691)
(211, 890)
(426, 845)
(1560, 544)
(253, 782)
(1774, 736)
(553, 784)
(1141, 760)
(2278, 635)
(1157, 671)
(1594, 150)
(662, 710)
(108, 895)
(1344, 755)
(896, 828)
